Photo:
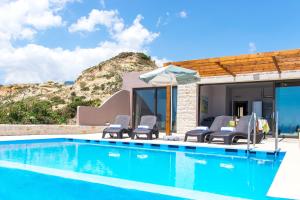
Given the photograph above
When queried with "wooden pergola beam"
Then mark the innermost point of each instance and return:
(276, 64)
(278, 61)
(226, 69)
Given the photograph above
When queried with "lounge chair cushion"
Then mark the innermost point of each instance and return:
(229, 129)
(115, 125)
(112, 130)
(142, 131)
(203, 128)
(143, 127)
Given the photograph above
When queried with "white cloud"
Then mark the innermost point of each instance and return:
(110, 19)
(136, 35)
(57, 5)
(163, 20)
(37, 63)
(21, 19)
(252, 47)
(182, 14)
(160, 61)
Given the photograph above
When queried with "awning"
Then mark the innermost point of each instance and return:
(276, 61)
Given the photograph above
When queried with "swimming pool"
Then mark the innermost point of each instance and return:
(83, 169)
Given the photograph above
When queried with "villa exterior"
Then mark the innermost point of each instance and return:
(264, 83)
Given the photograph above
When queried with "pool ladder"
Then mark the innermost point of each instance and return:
(254, 119)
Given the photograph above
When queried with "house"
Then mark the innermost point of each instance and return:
(264, 83)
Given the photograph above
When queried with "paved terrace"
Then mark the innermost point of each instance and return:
(285, 185)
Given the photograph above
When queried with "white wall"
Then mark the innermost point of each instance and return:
(216, 95)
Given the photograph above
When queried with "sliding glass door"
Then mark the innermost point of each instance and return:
(161, 107)
(144, 103)
(152, 101)
(288, 108)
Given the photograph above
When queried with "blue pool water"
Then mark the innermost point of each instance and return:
(58, 169)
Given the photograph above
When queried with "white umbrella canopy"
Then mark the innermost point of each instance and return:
(169, 76)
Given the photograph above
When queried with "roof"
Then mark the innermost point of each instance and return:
(276, 61)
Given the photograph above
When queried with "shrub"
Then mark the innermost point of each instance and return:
(144, 56)
(70, 110)
(110, 74)
(57, 100)
(85, 89)
(96, 87)
(35, 111)
(30, 111)
(82, 84)
(73, 94)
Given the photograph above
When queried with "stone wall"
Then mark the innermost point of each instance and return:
(187, 106)
(12, 129)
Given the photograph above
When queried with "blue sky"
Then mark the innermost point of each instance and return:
(59, 38)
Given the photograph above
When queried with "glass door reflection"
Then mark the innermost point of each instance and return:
(288, 108)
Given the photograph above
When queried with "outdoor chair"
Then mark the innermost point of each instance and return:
(147, 127)
(241, 132)
(203, 134)
(120, 127)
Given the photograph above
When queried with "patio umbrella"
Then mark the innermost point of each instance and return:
(169, 76)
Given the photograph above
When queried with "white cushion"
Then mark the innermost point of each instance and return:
(230, 129)
(115, 126)
(203, 128)
(143, 126)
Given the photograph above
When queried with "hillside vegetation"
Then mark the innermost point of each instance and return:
(55, 103)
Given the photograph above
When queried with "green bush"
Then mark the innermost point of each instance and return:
(110, 74)
(70, 110)
(96, 87)
(57, 100)
(144, 56)
(35, 111)
(30, 111)
(85, 89)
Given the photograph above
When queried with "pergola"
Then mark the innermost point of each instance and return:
(276, 61)
(243, 64)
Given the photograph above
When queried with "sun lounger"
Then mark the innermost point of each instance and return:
(120, 127)
(147, 127)
(202, 134)
(241, 132)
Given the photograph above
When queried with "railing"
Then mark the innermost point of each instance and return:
(253, 118)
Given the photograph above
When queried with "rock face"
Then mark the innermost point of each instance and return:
(104, 79)
(95, 83)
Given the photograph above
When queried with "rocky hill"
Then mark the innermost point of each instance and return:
(104, 79)
(94, 84)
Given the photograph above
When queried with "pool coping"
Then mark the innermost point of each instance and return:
(286, 183)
